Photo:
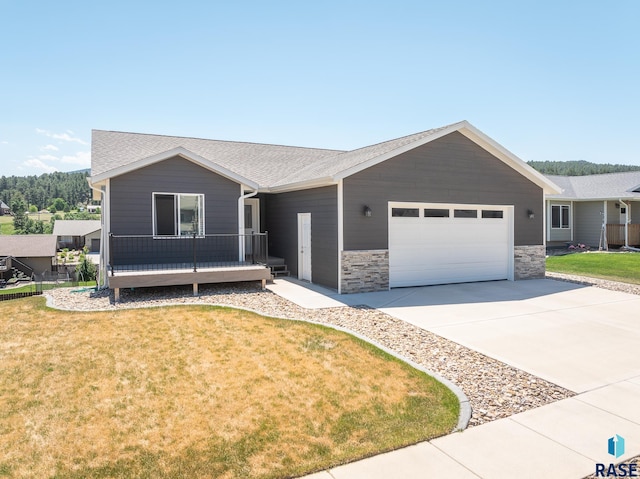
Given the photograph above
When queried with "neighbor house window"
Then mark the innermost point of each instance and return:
(178, 214)
(560, 216)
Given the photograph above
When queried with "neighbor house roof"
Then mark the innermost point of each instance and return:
(274, 167)
(610, 186)
(28, 246)
(75, 227)
(3, 205)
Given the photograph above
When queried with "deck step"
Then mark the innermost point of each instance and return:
(279, 270)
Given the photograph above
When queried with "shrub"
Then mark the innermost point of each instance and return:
(86, 270)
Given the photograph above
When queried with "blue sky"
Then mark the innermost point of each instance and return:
(549, 80)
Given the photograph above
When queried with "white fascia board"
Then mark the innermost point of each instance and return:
(301, 185)
(398, 151)
(165, 155)
(603, 198)
(509, 158)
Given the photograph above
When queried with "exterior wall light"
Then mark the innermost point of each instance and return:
(531, 214)
(367, 211)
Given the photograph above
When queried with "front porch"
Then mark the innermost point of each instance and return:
(616, 234)
(148, 261)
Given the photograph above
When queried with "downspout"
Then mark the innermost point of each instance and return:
(102, 276)
(626, 223)
(241, 242)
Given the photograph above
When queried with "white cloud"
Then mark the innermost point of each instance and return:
(47, 158)
(39, 165)
(82, 158)
(50, 148)
(61, 136)
(3, 142)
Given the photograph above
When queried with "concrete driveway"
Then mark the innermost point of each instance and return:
(578, 337)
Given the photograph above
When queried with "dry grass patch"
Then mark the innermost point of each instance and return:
(199, 392)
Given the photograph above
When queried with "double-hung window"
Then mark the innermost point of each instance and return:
(178, 214)
(560, 216)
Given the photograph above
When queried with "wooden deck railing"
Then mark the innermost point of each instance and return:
(615, 234)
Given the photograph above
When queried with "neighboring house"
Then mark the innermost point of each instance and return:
(75, 234)
(589, 206)
(4, 209)
(442, 206)
(93, 208)
(27, 254)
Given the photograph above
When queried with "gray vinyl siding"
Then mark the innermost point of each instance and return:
(131, 196)
(452, 169)
(131, 211)
(560, 234)
(588, 222)
(613, 213)
(282, 224)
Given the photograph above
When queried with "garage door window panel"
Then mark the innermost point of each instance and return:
(436, 213)
(492, 214)
(465, 213)
(405, 212)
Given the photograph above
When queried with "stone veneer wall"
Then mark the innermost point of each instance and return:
(529, 262)
(364, 271)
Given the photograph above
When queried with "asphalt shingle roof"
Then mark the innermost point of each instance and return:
(273, 167)
(606, 186)
(266, 165)
(75, 227)
(28, 246)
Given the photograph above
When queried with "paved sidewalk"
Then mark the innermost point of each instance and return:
(582, 338)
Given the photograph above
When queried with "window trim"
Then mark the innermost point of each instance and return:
(560, 216)
(176, 204)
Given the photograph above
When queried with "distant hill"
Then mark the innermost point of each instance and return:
(42, 190)
(578, 168)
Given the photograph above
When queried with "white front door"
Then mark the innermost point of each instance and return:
(251, 216)
(251, 221)
(304, 246)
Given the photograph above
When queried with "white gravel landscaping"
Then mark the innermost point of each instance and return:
(495, 390)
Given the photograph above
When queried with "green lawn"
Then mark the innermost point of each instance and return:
(623, 267)
(46, 286)
(6, 225)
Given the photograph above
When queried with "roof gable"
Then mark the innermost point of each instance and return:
(172, 153)
(253, 164)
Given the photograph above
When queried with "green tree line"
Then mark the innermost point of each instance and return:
(41, 191)
(578, 168)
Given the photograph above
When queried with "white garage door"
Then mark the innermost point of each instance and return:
(449, 243)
